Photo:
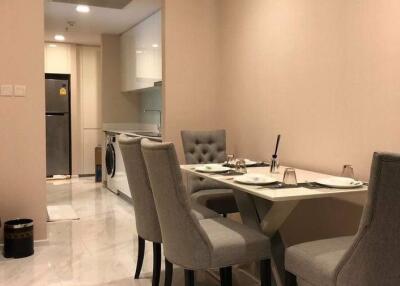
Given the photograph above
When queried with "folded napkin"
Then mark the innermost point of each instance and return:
(259, 164)
(299, 185)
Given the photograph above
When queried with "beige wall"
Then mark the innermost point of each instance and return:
(117, 107)
(22, 125)
(324, 74)
(190, 67)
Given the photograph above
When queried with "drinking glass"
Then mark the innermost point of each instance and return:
(289, 177)
(230, 160)
(240, 166)
(348, 171)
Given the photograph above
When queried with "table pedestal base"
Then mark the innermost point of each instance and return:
(268, 217)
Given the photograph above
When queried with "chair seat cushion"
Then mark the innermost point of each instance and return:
(201, 212)
(314, 263)
(234, 243)
(221, 201)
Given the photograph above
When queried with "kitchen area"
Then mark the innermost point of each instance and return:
(111, 55)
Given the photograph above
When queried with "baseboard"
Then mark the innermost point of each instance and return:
(39, 242)
(86, 175)
(125, 198)
(121, 195)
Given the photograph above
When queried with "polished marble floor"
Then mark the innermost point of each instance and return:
(98, 249)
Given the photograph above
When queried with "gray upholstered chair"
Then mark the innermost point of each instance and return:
(197, 244)
(202, 147)
(147, 225)
(372, 256)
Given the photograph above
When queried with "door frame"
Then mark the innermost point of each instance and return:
(68, 78)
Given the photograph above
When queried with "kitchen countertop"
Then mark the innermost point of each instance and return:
(133, 133)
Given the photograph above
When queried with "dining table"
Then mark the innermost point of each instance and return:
(266, 207)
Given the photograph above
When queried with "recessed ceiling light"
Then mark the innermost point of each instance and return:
(52, 45)
(59, 38)
(139, 52)
(155, 45)
(83, 8)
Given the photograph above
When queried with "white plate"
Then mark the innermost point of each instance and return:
(212, 168)
(255, 179)
(339, 183)
(249, 162)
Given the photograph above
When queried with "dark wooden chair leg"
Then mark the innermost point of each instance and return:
(139, 264)
(168, 273)
(226, 276)
(290, 279)
(156, 263)
(265, 272)
(189, 277)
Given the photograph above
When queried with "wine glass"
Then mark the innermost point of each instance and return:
(348, 171)
(230, 160)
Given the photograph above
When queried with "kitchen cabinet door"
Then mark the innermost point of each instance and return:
(141, 54)
(128, 61)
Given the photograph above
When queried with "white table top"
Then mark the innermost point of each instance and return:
(278, 195)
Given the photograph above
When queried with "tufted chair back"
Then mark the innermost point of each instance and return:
(374, 257)
(184, 242)
(147, 224)
(202, 147)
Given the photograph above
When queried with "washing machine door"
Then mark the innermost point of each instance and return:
(110, 160)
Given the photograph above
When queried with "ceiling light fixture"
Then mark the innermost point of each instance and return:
(83, 8)
(59, 38)
(139, 52)
(52, 45)
(155, 46)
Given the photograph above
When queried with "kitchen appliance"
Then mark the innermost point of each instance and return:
(117, 181)
(58, 124)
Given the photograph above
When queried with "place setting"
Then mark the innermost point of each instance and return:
(289, 181)
(231, 162)
(232, 167)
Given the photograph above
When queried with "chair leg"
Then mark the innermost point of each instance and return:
(226, 276)
(168, 273)
(141, 246)
(189, 277)
(265, 272)
(290, 279)
(156, 263)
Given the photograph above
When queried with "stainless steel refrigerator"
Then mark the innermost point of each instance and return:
(58, 125)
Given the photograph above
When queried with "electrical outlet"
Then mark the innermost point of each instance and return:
(6, 90)
(19, 90)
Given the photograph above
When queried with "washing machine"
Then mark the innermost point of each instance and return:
(117, 181)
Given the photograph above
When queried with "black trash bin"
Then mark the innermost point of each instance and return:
(18, 238)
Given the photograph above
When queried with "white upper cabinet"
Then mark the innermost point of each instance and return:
(141, 55)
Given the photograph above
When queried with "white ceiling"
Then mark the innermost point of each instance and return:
(89, 27)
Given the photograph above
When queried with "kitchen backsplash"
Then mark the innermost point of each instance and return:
(150, 99)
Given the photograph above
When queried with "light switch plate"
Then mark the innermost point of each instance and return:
(6, 90)
(19, 90)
